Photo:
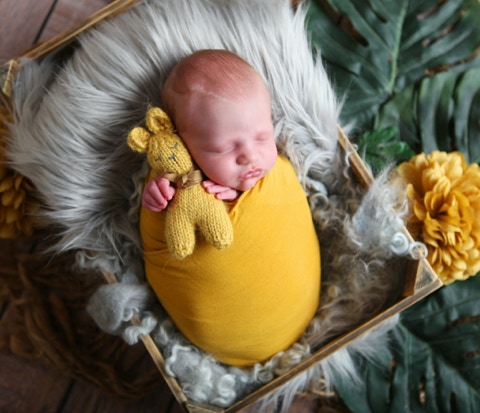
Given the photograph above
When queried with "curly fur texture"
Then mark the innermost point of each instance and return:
(69, 139)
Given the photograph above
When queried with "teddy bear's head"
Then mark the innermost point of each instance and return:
(165, 150)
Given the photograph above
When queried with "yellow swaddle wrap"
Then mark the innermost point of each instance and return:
(246, 303)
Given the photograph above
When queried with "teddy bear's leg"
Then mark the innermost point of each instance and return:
(217, 226)
(179, 234)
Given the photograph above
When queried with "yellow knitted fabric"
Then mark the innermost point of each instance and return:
(17, 203)
(254, 299)
(192, 207)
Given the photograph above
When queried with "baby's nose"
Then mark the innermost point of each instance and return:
(247, 155)
(245, 159)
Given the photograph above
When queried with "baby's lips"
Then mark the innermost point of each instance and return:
(252, 173)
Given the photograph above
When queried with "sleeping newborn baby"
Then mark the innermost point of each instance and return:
(244, 304)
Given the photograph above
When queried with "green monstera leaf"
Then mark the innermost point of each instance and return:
(438, 113)
(374, 49)
(409, 72)
(382, 148)
(434, 363)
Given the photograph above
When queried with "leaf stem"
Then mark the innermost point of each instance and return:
(396, 50)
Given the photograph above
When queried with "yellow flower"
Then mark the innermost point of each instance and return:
(445, 196)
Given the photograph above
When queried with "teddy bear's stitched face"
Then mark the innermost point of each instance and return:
(167, 153)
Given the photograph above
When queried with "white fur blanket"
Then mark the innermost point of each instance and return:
(69, 138)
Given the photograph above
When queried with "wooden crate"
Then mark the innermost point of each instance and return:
(420, 279)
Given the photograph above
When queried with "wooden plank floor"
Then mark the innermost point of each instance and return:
(33, 385)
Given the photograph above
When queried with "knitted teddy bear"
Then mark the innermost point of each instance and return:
(192, 207)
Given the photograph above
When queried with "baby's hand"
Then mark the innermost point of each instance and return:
(221, 192)
(157, 193)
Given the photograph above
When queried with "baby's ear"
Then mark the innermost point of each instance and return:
(138, 139)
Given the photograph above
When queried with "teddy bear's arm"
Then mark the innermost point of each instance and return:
(216, 225)
(180, 233)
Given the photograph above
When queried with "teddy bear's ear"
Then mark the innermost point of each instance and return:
(138, 139)
(158, 121)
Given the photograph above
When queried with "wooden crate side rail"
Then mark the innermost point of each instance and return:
(154, 351)
(429, 282)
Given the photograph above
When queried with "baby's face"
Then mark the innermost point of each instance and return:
(230, 140)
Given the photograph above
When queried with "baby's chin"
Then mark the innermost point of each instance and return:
(245, 185)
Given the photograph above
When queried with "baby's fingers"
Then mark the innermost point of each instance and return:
(166, 188)
(153, 204)
(157, 194)
(228, 194)
(221, 192)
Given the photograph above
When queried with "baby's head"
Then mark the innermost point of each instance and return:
(221, 108)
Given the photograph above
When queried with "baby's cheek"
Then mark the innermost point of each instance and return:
(227, 174)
